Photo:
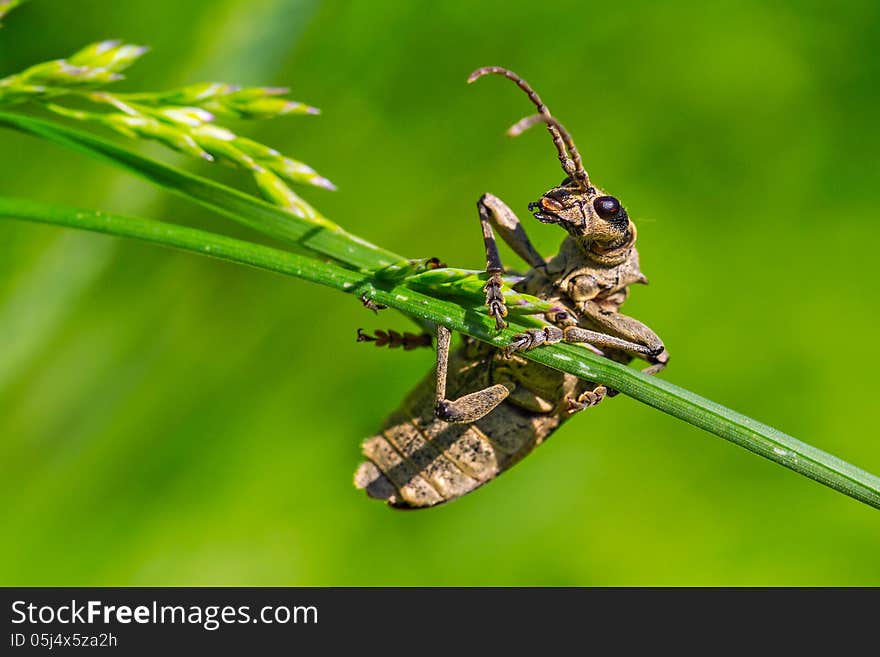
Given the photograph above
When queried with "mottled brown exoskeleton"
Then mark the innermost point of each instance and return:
(485, 408)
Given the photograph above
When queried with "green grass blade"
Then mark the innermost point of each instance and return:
(324, 238)
(678, 402)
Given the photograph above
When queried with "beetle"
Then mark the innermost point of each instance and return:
(483, 408)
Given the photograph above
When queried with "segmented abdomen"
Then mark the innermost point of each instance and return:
(419, 461)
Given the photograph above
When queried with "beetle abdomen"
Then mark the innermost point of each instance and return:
(418, 461)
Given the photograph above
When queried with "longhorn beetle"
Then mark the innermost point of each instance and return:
(486, 408)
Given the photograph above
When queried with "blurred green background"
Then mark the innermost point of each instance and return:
(168, 419)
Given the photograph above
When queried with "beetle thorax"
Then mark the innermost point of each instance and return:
(574, 277)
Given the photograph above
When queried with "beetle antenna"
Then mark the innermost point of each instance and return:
(533, 96)
(573, 166)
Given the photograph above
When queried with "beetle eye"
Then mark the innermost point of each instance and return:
(606, 207)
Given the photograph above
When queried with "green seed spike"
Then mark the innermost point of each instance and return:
(252, 105)
(148, 128)
(186, 116)
(111, 55)
(63, 74)
(183, 119)
(193, 94)
(274, 189)
(288, 168)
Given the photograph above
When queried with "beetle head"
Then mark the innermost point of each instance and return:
(597, 221)
(587, 214)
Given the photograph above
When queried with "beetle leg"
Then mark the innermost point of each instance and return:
(533, 338)
(470, 407)
(574, 334)
(494, 296)
(493, 212)
(578, 335)
(586, 399)
(394, 339)
(553, 334)
(654, 354)
(509, 227)
(659, 366)
(650, 346)
(369, 304)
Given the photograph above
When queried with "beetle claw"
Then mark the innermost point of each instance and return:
(495, 300)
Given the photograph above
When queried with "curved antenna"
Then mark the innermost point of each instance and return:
(533, 96)
(573, 166)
